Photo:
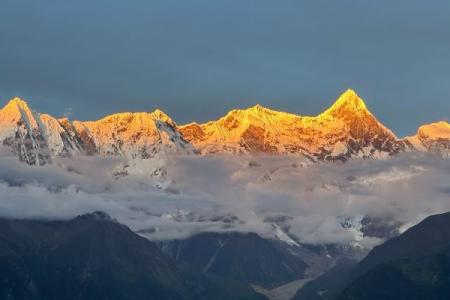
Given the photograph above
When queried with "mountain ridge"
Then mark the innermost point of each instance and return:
(92, 256)
(345, 130)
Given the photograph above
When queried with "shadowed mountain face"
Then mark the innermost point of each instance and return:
(246, 258)
(93, 257)
(327, 285)
(415, 265)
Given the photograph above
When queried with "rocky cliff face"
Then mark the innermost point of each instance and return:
(33, 137)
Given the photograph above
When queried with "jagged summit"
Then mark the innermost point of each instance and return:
(135, 135)
(256, 113)
(38, 139)
(158, 114)
(258, 108)
(255, 109)
(261, 111)
(348, 105)
(33, 137)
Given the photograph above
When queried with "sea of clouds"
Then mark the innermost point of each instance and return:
(287, 197)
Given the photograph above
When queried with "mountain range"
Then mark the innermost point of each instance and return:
(93, 256)
(346, 130)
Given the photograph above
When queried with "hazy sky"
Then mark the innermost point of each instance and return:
(196, 59)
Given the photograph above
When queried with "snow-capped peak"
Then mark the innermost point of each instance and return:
(436, 130)
(259, 109)
(158, 114)
(16, 103)
(35, 138)
(434, 138)
(348, 102)
(17, 109)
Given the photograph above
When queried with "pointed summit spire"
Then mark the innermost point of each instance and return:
(159, 114)
(16, 103)
(348, 102)
(258, 108)
(162, 116)
(15, 109)
(351, 100)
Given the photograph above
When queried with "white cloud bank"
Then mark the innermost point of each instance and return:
(308, 201)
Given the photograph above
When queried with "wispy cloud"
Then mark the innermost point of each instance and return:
(309, 201)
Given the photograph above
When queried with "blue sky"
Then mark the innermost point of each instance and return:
(197, 59)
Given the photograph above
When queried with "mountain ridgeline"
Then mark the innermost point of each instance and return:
(94, 257)
(346, 130)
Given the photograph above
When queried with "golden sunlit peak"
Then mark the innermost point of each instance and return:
(436, 130)
(15, 103)
(348, 101)
(259, 108)
(351, 99)
(254, 108)
(159, 114)
(162, 116)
